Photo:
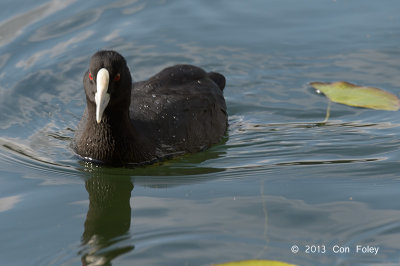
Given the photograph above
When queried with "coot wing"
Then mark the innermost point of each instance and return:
(182, 108)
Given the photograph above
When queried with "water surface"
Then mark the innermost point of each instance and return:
(279, 178)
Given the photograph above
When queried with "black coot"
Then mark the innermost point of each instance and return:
(180, 109)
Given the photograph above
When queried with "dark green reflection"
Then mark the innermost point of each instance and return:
(108, 219)
(107, 225)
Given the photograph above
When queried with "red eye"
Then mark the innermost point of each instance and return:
(90, 76)
(117, 77)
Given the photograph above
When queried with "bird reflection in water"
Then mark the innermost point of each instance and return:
(108, 219)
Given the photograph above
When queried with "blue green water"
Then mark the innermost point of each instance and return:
(279, 178)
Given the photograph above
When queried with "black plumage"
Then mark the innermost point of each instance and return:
(180, 109)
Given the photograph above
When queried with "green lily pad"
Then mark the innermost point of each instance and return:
(255, 263)
(359, 96)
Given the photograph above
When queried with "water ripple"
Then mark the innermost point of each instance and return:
(15, 26)
(16, 157)
(67, 25)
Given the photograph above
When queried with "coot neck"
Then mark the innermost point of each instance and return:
(115, 118)
(114, 139)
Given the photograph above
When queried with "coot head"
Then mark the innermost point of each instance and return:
(108, 83)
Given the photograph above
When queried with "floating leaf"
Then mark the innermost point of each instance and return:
(353, 95)
(255, 263)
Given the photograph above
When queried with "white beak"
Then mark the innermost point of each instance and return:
(102, 97)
